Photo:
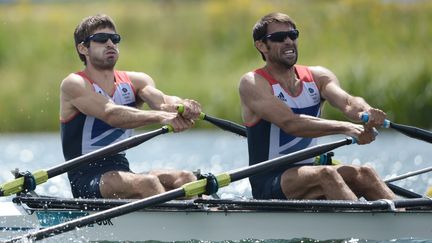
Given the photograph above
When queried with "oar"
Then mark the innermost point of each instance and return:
(410, 131)
(187, 190)
(241, 130)
(409, 174)
(402, 191)
(41, 176)
(221, 123)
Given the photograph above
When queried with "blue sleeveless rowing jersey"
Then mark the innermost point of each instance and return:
(266, 140)
(82, 134)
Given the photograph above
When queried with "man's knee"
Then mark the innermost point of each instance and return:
(328, 173)
(368, 172)
(184, 177)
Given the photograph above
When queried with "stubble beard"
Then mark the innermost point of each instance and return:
(282, 61)
(104, 64)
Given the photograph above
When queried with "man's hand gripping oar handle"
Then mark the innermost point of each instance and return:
(409, 131)
(365, 118)
(221, 123)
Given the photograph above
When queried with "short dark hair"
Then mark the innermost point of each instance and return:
(88, 26)
(260, 28)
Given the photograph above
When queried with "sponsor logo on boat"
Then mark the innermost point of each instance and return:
(47, 219)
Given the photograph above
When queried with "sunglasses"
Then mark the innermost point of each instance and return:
(282, 35)
(103, 37)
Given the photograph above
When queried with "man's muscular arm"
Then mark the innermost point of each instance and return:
(352, 106)
(258, 102)
(78, 95)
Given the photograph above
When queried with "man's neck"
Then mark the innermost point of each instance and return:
(286, 77)
(100, 77)
(281, 74)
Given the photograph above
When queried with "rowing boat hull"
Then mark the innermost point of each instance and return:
(213, 224)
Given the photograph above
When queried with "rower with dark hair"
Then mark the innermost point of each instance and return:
(281, 107)
(100, 106)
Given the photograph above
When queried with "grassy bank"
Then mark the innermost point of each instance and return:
(200, 49)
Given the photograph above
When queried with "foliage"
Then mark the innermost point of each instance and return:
(200, 49)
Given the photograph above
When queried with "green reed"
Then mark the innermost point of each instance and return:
(199, 49)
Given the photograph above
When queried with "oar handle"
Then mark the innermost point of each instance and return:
(180, 110)
(168, 128)
(365, 118)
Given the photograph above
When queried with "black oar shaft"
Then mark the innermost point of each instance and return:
(17, 185)
(413, 132)
(410, 131)
(106, 151)
(289, 159)
(107, 214)
(221, 123)
(402, 191)
(226, 125)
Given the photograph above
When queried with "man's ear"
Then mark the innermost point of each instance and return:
(82, 49)
(261, 46)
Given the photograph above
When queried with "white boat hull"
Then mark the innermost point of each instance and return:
(217, 225)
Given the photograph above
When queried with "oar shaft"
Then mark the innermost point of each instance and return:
(41, 176)
(107, 214)
(221, 123)
(410, 131)
(225, 179)
(402, 191)
(226, 125)
(106, 151)
(289, 159)
(413, 132)
(413, 173)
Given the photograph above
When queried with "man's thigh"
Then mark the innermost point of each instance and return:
(123, 184)
(302, 182)
(172, 179)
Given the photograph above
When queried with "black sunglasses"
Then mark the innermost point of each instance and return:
(282, 35)
(103, 37)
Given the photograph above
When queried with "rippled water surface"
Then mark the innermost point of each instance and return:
(391, 154)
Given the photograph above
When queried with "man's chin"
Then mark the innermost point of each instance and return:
(107, 66)
(289, 65)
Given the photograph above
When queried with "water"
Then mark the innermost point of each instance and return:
(391, 154)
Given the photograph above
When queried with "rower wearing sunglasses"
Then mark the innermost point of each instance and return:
(100, 105)
(281, 107)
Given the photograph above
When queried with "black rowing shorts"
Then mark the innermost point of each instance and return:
(85, 180)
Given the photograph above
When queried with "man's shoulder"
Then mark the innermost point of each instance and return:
(73, 77)
(140, 79)
(318, 69)
(249, 79)
(253, 75)
(72, 81)
(254, 80)
(248, 75)
(136, 75)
